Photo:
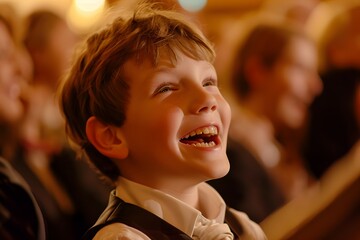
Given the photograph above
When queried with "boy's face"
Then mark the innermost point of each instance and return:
(168, 104)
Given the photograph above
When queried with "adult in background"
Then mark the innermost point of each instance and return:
(69, 193)
(20, 215)
(273, 81)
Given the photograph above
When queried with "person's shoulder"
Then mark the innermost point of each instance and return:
(118, 231)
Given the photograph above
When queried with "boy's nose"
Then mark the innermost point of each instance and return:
(203, 101)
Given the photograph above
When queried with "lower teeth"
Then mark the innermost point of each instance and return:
(204, 144)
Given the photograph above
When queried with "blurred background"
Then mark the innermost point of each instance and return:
(295, 149)
(82, 14)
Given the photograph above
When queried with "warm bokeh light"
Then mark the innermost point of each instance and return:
(84, 14)
(192, 5)
(89, 5)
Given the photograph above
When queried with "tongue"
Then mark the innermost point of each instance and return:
(192, 140)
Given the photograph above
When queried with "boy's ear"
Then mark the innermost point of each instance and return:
(107, 139)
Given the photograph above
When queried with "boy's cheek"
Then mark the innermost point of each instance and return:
(226, 115)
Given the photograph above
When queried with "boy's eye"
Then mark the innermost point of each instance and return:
(166, 87)
(210, 82)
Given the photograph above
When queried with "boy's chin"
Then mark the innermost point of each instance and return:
(220, 171)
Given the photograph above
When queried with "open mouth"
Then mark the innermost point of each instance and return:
(202, 137)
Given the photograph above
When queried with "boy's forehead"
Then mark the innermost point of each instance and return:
(164, 59)
(142, 70)
(139, 66)
(146, 66)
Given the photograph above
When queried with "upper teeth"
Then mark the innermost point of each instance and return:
(212, 130)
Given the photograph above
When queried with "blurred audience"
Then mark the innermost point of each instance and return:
(69, 194)
(330, 209)
(274, 80)
(20, 215)
(334, 125)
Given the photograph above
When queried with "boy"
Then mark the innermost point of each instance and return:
(142, 101)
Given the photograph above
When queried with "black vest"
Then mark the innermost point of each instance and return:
(153, 226)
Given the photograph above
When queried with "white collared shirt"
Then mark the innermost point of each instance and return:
(165, 206)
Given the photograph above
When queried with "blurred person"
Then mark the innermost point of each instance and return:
(330, 208)
(60, 181)
(20, 215)
(331, 144)
(50, 43)
(274, 80)
(11, 20)
(334, 121)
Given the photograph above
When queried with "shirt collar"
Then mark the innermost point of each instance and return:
(172, 210)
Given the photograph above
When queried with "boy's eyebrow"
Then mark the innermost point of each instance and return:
(168, 65)
(163, 69)
(165, 65)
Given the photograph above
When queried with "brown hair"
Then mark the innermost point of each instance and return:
(95, 85)
(266, 41)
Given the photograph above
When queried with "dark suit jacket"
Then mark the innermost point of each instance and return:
(20, 215)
